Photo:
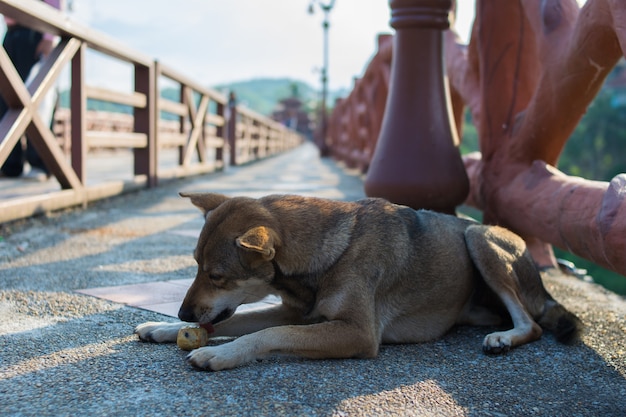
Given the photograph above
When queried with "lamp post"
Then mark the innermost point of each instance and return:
(326, 8)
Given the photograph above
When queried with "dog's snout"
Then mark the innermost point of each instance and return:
(186, 314)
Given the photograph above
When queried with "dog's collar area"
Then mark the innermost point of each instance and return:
(294, 287)
(278, 273)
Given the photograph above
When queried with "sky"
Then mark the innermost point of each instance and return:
(220, 41)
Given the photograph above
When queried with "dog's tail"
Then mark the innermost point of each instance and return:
(566, 327)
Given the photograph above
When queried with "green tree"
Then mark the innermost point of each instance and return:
(596, 148)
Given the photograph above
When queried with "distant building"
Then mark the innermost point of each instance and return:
(290, 113)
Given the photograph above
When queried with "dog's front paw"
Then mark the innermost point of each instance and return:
(158, 331)
(496, 343)
(217, 358)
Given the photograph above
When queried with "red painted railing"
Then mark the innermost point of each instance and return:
(528, 74)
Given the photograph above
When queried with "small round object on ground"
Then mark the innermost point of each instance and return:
(192, 337)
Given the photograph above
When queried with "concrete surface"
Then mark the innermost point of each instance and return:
(65, 353)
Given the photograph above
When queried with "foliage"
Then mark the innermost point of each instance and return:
(469, 138)
(596, 148)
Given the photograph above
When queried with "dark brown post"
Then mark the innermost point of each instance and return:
(78, 107)
(145, 122)
(219, 132)
(417, 160)
(232, 128)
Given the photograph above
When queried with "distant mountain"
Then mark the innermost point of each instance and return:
(263, 94)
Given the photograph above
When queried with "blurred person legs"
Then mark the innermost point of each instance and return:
(21, 45)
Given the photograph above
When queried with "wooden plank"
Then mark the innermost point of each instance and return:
(22, 207)
(12, 127)
(113, 188)
(214, 142)
(173, 107)
(51, 153)
(188, 170)
(51, 68)
(133, 99)
(194, 135)
(174, 75)
(172, 139)
(116, 139)
(215, 119)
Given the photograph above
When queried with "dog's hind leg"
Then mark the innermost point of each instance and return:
(500, 256)
(524, 329)
(476, 315)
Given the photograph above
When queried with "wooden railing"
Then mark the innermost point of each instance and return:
(202, 118)
(254, 137)
(527, 77)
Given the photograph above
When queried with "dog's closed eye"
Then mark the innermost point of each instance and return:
(216, 277)
(212, 274)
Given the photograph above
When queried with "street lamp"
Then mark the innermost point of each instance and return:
(326, 8)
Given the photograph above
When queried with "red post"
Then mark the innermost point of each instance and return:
(417, 161)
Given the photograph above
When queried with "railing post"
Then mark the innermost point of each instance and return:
(232, 128)
(145, 122)
(416, 161)
(219, 132)
(156, 124)
(78, 107)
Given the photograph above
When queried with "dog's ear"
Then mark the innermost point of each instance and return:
(205, 201)
(259, 239)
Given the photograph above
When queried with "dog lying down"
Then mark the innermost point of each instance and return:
(353, 275)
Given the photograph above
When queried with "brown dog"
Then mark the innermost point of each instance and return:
(353, 275)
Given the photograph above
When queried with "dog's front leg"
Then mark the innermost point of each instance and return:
(239, 324)
(332, 339)
(255, 320)
(159, 331)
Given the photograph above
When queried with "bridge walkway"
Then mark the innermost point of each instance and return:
(65, 352)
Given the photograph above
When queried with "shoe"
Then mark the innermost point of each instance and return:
(37, 174)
